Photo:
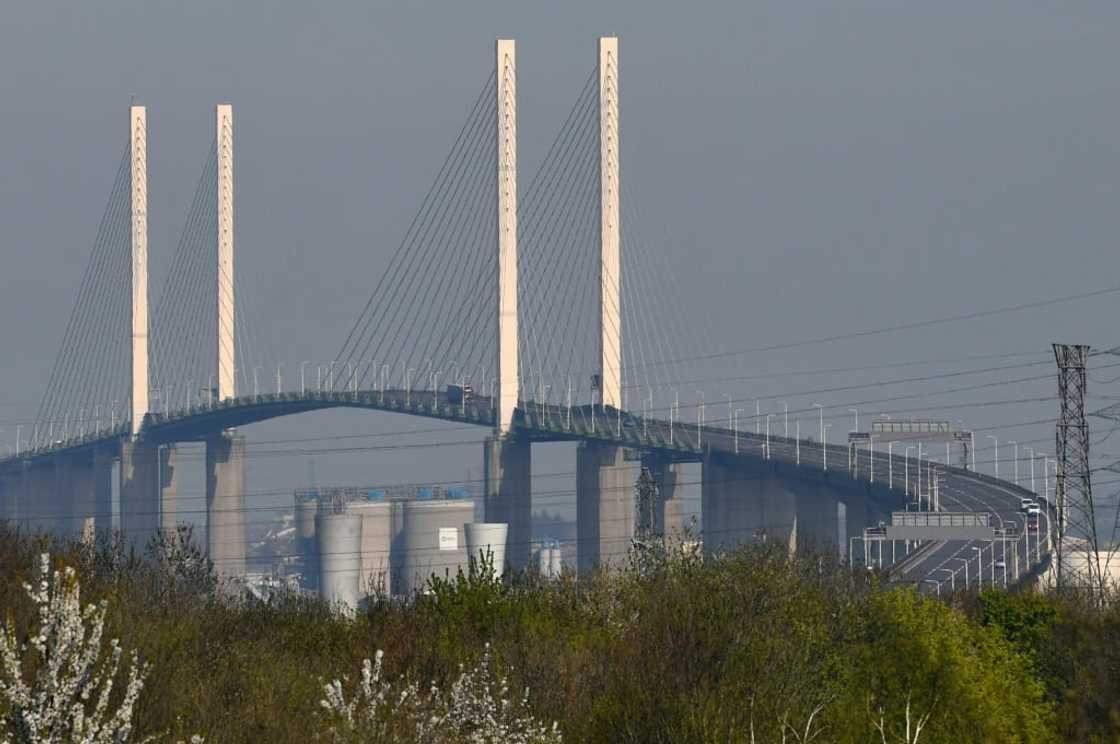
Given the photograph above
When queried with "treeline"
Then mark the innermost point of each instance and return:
(750, 647)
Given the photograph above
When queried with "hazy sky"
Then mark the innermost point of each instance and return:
(805, 169)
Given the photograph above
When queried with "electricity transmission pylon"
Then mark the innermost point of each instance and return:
(1076, 525)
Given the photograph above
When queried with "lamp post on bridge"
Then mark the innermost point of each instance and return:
(890, 465)
(995, 442)
(302, 378)
(757, 417)
(785, 418)
(256, 383)
(824, 458)
(279, 381)
(735, 427)
(768, 416)
(1033, 489)
(824, 447)
(798, 438)
(699, 418)
(906, 472)
(1012, 441)
(952, 578)
(918, 463)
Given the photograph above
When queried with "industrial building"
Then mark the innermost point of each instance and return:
(361, 542)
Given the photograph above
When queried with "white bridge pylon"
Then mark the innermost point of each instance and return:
(610, 310)
(506, 132)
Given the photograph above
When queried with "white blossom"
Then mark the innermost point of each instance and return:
(67, 699)
(476, 709)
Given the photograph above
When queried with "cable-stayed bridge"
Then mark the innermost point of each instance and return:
(527, 313)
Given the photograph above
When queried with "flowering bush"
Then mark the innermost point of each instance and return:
(72, 680)
(477, 709)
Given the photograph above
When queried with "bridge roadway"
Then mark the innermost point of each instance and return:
(961, 489)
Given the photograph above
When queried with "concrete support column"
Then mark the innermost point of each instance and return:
(604, 505)
(168, 488)
(730, 508)
(225, 503)
(103, 489)
(778, 522)
(818, 520)
(38, 488)
(9, 498)
(139, 492)
(856, 518)
(60, 497)
(82, 496)
(669, 515)
(507, 464)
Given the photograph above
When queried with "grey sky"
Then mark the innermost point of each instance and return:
(805, 169)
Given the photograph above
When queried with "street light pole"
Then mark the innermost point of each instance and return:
(1012, 441)
(965, 562)
(1033, 489)
(952, 578)
(979, 566)
(890, 465)
(798, 439)
(768, 435)
(995, 441)
(785, 419)
(820, 408)
(824, 447)
(906, 472)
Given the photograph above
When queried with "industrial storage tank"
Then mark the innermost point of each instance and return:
(339, 541)
(377, 541)
(432, 541)
(550, 562)
(306, 504)
(487, 539)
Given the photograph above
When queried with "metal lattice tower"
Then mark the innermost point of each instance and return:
(1076, 525)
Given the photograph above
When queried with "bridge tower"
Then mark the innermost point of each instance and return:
(604, 477)
(143, 497)
(138, 144)
(506, 459)
(610, 308)
(225, 452)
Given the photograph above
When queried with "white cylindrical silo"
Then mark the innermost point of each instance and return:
(550, 563)
(377, 542)
(487, 539)
(432, 541)
(339, 541)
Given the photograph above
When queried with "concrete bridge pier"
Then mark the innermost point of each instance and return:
(507, 497)
(36, 497)
(74, 494)
(857, 515)
(723, 507)
(225, 502)
(148, 489)
(745, 504)
(778, 512)
(103, 461)
(818, 518)
(604, 505)
(669, 514)
(10, 497)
